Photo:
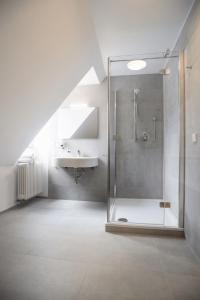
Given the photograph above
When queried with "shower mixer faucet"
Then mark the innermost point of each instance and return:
(145, 136)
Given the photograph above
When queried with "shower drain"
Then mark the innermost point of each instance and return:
(123, 220)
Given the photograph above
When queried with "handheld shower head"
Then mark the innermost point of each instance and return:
(136, 91)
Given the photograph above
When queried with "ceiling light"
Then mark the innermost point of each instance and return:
(136, 65)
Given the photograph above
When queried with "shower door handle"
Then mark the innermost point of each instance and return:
(154, 128)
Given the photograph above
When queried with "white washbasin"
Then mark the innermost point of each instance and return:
(76, 162)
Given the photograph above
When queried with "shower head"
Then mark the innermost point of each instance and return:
(136, 91)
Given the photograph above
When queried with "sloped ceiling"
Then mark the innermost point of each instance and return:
(47, 46)
(128, 27)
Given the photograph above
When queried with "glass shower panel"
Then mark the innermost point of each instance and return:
(136, 127)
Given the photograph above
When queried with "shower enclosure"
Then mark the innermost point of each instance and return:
(145, 114)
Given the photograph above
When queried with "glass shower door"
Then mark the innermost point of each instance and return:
(140, 142)
(137, 159)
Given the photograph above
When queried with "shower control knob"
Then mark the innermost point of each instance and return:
(145, 136)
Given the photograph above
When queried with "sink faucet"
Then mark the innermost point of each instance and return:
(65, 147)
(68, 150)
(79, 152)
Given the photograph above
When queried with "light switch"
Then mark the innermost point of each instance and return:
(194, 138)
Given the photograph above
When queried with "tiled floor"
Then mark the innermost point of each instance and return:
(57, 249)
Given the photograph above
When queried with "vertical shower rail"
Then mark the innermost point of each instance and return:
(112, 136)
(115, 150)
(108, 141)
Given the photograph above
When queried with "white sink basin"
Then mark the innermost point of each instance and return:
(76, 162)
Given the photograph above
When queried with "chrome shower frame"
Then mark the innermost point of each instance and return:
(111, 200)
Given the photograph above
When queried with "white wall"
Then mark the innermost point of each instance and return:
(7, 187)
(46, 48)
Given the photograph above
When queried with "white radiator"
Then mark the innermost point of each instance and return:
(28, 180)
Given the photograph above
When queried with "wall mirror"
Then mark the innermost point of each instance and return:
(78, 122)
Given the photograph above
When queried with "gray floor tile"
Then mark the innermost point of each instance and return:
(144, 284)
(180, 265)
(173, 246)
(29, 277)
(58, 249)
(184, 287)
(101, 280)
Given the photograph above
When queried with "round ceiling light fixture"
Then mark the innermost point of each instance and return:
(136, 65)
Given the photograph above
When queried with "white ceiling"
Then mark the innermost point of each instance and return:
(128, 27)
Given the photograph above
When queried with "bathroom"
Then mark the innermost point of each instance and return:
(133, 135)
(100, 150)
